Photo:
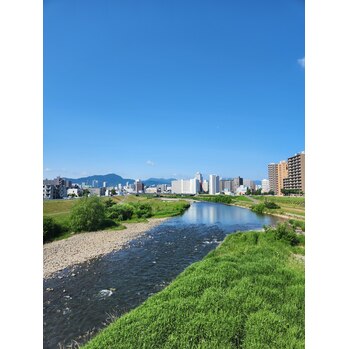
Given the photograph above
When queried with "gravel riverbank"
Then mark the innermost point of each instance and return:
(81, 247)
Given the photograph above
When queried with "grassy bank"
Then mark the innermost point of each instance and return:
(130, 209)
(291, 207)
(248, 293)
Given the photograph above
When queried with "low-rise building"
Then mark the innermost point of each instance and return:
(74, 192)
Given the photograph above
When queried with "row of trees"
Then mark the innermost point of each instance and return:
(91, 214)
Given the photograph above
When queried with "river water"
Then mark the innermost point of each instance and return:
(83, 299)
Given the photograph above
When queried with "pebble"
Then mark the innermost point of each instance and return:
(81, 248)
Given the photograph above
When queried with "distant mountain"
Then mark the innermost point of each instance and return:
(114, 179)
(111, 179)
(156, 181)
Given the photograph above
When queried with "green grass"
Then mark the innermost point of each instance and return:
(293, 201)
(248, 293)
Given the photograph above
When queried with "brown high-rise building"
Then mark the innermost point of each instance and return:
(282, 174)
(276, 174)
(273, 177)
(296, 173)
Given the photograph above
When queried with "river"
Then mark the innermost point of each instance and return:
(83, 299)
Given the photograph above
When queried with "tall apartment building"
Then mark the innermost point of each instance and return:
(277, 173)
(213, 184)
(273, 177)
(198, 176)
(282, 174)
(296, 173)
(139, 186)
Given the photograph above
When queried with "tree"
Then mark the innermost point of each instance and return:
(120, 212)
(113, 192)
(85, 192)
(142, 210)
(87, 214)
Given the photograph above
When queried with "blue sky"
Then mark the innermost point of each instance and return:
(165, 89)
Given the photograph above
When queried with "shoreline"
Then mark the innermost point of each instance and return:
(272, 214)
(80, 248)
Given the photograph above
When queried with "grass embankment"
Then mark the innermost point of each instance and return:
(291, 207)
(130, 209)
(294, 207)
(248, 293)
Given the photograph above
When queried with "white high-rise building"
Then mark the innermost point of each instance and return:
(213, 184)
(265, 186)
(185, 186)
(198, 176)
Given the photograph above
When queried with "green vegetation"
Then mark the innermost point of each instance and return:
(224, 199)
(88, 214)
(265, 206)
(248, 293)
(62, 217)
(258, 208)
(294, 207)
(52, 230)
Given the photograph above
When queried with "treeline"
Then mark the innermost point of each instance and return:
(92, 213)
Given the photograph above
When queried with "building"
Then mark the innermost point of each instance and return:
(198, 176)
(213, 184)
(296, 173)
(282, 174)
(94, 183)
(249, 184)
(205, 186)
(162, 188)
(97, 191)
(74, 192)
(104, 184)
(54, 188)
(241, 190)
(151, 190)
(226, 185)
(139, 186)
(185, 186)
(273, 177)
(265, 186)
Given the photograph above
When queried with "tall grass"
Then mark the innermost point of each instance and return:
(248, 293)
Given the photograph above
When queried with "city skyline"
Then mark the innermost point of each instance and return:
(161, 90)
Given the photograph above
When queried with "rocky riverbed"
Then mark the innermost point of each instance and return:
(81, 247)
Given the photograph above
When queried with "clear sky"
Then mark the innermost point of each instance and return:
(168, 88)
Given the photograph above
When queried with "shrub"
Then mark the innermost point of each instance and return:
(51, 229)
(286, 232)
(259, 208)
(297, 224)
(87, 214)
(271, 204)
(142, 210)
(120, 212)
(109, 203)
